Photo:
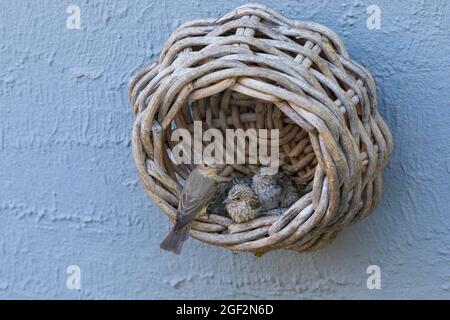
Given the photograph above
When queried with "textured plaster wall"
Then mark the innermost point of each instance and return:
(69, 193)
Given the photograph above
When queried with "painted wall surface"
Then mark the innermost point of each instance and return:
(69, 194)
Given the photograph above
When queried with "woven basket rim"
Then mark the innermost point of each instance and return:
(314, 87)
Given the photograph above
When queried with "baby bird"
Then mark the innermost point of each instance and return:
(242, 203)
(289, 192)
(216, 206)
(267, 187)
(200, 187)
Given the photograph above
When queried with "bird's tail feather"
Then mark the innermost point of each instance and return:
(174, 240)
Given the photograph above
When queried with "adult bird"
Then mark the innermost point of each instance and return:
(200, 187)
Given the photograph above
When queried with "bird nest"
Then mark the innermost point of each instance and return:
(254, 68)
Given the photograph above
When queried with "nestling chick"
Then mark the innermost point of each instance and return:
(247, 180)
(267, 187)
(200, 187)
(242, 203)
(289, 193)
(216, 205)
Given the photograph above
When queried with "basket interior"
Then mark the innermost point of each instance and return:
(233, 110)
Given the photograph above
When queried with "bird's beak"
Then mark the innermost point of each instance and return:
(226, 201)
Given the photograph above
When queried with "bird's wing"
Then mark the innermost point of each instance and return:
(196, 195)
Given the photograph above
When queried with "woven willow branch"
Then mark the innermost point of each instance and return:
(254, 68)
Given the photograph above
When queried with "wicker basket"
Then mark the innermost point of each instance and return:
(254, 68)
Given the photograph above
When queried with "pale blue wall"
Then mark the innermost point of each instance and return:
(69, 193)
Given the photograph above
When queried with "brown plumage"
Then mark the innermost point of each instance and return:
(200, 187)
(267, 187)
(216, 205)
(242, 203)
